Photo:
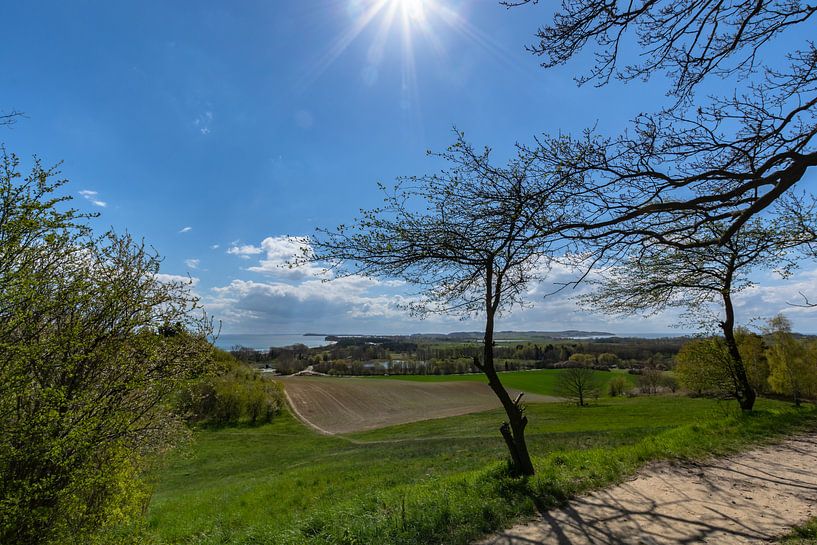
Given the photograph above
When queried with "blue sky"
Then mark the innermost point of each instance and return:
(215, 129)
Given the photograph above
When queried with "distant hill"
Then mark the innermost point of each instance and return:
(514, 335)
(462, 336)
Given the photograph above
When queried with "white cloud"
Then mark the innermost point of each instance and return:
(192, 263)
(246, 305)
(91, 196)
(185, 229)
(244, 250)
(771, 296)
(215, 246)
(280, 253)
(203, 122)
(307, 298)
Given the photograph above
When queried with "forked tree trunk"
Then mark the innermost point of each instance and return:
(513, 431)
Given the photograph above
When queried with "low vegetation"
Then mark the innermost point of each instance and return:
(805, 534)
(281, 483)
(230, 394)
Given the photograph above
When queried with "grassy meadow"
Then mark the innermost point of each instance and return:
(435, 481)
(540, 381)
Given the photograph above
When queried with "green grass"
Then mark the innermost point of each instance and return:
(540, 381)
(802, 535)
(439, 481)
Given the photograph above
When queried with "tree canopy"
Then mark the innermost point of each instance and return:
(707, 157)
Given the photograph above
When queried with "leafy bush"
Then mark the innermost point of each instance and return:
(669, 382)
(585, 360)
(792, 363)
(617, 386)
(232, 394)
(703, 367)
(89, 362)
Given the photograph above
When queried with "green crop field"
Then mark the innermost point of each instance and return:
(436, 481)
(540, 381)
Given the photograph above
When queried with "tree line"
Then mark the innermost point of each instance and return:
(377, 356)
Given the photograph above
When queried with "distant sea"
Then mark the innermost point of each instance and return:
(264, 341)
(657, 335)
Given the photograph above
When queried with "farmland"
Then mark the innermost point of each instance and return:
(343, 405)
(542, 381)
(431, 481)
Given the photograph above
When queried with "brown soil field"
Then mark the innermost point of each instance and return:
(345, 405)
(754, 497)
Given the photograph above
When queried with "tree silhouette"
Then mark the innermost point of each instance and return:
(721, 159)
(470, 239)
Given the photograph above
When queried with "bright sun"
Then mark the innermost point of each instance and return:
(413, 10)
(412, 22)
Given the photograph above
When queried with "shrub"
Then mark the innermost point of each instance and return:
(669, 382)
(232, 394)
(93, 343)
(792, 363)
(703, 367)
(617, 386)
(649, 380)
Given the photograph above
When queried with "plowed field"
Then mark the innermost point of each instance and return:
(344, 405)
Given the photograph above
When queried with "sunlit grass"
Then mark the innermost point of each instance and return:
(540, 381)
(440, 481)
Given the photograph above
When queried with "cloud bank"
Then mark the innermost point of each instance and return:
(269, 295)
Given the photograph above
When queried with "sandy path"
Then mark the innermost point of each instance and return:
(754, 497)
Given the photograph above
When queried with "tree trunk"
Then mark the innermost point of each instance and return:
(744, 392)
(513, 431)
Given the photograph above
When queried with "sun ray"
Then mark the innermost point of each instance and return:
(344, 40)
(473, 34)
(379, 42)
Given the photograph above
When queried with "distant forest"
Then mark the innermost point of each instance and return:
(409, 355)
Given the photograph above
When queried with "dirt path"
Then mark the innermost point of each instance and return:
(754, 497)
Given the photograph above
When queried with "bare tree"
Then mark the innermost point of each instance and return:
(577, 384)
(719, 159)
(470, 239)
(8, 119)
(657, 277)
